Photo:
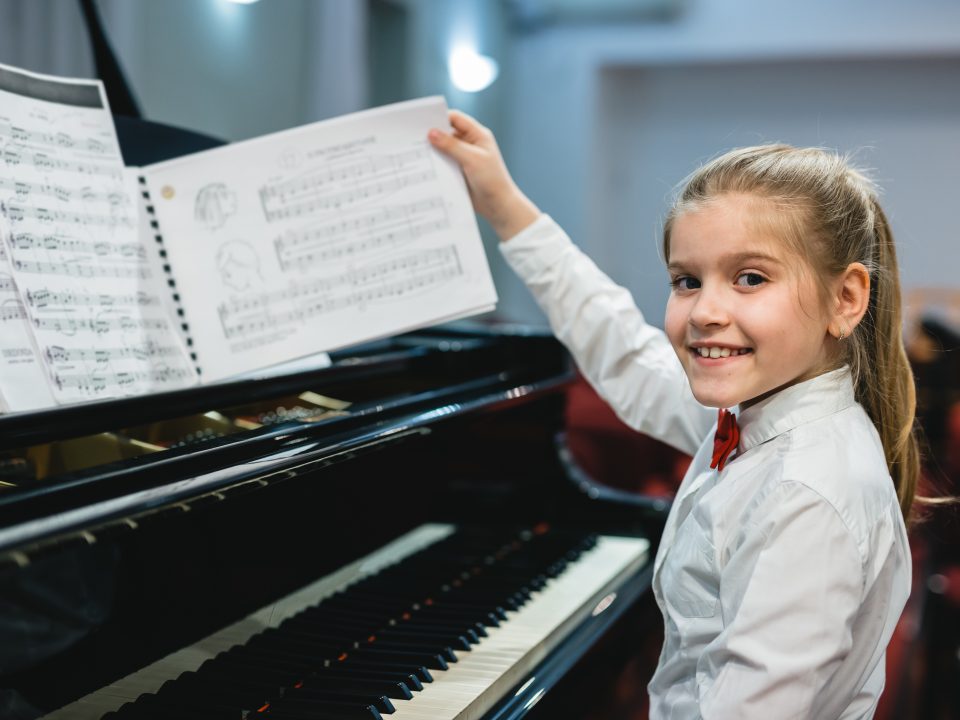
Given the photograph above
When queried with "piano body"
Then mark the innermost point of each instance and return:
(398, 535)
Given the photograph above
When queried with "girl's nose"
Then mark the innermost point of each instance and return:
(709, 309)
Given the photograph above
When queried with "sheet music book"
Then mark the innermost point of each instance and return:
(235, 261)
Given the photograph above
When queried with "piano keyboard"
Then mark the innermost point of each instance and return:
(439, 624)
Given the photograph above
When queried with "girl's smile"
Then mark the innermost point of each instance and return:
(743, 316)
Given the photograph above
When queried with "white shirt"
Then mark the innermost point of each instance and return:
(781, 578)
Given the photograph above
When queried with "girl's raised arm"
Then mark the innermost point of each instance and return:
(494, 194)
(629, 362)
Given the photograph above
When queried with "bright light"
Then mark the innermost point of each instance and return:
(470, 71)
(243, 2)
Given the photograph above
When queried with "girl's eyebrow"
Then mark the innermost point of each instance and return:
(742, 258)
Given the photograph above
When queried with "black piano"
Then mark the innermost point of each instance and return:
(401, 534)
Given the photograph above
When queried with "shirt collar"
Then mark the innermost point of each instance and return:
(795, 405)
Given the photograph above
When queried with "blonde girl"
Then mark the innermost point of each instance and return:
(784, 564)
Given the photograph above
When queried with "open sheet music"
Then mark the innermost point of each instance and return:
(318, 237)
(117, 281)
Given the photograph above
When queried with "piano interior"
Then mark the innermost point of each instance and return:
(318, 544)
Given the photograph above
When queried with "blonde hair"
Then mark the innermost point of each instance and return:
(828, 211)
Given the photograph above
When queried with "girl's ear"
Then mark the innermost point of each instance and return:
(852, 298)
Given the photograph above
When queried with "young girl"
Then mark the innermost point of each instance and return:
(784, 564)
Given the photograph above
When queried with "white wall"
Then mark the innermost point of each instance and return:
(602, 121)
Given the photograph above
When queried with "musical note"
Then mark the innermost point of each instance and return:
(352, 237)
(44, 298)
(12, 312)
(340, 186)
(83, 270)
(29, 241)
(150, 349)
(72, 325)
(18, 213)
(58, 139)
(375, 282)
(62, 193)
(99, 382)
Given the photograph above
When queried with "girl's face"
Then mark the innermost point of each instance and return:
(742, 318)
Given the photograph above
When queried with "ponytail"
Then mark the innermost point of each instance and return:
(883, 380)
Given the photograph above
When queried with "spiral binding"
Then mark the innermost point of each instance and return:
(171, 281)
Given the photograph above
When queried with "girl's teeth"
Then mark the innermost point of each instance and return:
(716, 352)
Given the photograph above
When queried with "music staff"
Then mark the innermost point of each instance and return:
(97, 383)
(24, 190)
(149, 350)
(83, 270)
(29, 241)
(14, 156)
(45, 298)
(59, 140)
(358, 170)
(347, 248)
(71, 326)
(362, 223)
(6, 282)
(376, 282)
(334, 188)
(18, 213)
(338, 200)
(383, 228)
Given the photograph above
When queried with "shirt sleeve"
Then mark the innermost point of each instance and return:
(789, 594)
(630, 363)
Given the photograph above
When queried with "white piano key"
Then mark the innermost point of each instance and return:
(483, 675)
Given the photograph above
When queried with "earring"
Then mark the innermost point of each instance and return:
(841, 335)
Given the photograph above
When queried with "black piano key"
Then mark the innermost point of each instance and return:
(341, 670)
(390, 688)
(477, 629)
(425, 645)
(153, 707)
(438, 626)
(327, 712)
(248, 691)
(431, 661)
(457, 642)
(304, 695)
(244, 660)
(418, 671)
(197, 693)
(486, 618)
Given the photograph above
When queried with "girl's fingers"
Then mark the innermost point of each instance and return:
(466, 127)
(459, 150)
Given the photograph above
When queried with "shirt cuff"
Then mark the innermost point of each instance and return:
(537, 247)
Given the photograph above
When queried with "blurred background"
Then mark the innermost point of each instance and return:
(601, 107)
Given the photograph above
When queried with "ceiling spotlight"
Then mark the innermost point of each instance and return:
(470, 71)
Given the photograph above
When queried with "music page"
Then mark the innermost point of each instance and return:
(319, 237)
(77, 258)
(23, 380)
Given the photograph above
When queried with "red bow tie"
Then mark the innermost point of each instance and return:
(726, 439)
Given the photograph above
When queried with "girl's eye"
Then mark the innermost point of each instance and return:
(750, 279)
(685, 282)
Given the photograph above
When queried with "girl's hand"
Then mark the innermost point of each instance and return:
(494, 194)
